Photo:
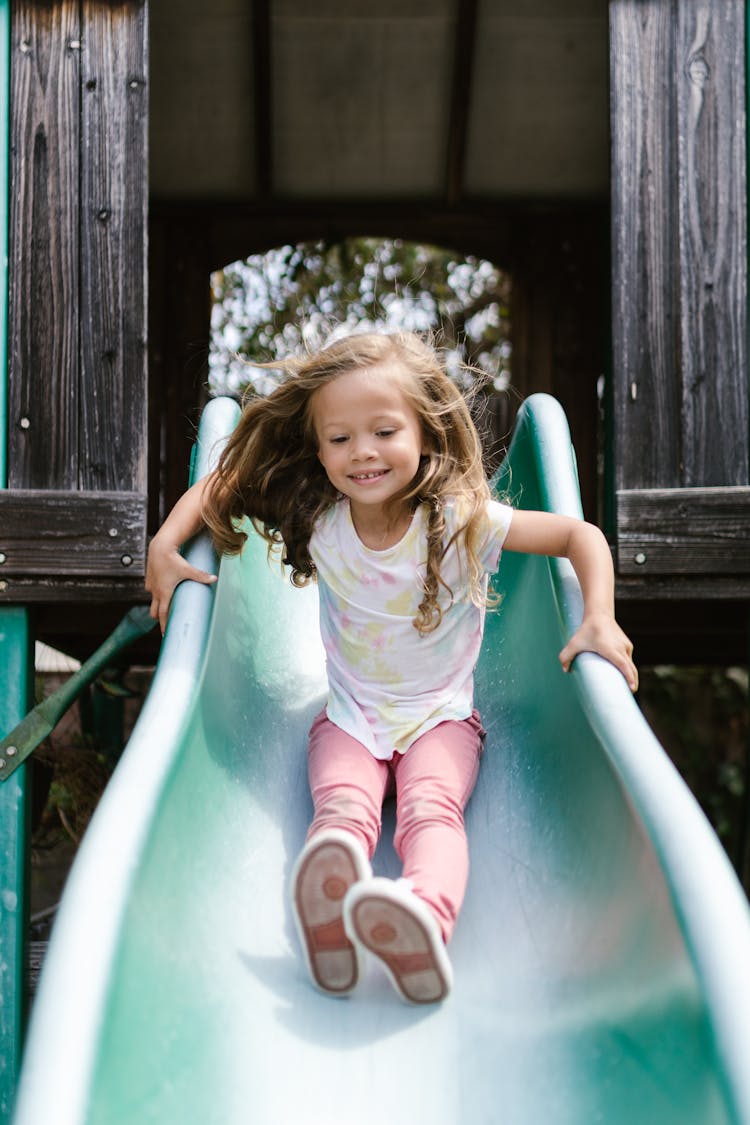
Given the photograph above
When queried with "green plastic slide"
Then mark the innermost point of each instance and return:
(602, 959)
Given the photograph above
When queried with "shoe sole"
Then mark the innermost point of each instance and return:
(404, 944)
(324, 876)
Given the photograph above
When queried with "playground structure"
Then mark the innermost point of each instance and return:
(101, 389)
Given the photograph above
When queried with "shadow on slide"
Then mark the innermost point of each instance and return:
(602, 959)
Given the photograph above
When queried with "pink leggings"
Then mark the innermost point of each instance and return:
(433, 783)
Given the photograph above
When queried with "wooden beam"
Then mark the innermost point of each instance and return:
(235, 229)
(699, 588)
(684, 531)
(46, 535)
(458, 119)
(262, 97)
(81, 593)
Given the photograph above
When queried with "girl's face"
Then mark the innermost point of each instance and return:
(369, 435)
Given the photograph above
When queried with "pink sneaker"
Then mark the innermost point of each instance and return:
(328, 865)
(387, 918)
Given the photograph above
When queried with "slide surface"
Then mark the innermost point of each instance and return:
(602, 960)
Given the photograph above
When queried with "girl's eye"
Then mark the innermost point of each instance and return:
(385, 433)
(338, 440)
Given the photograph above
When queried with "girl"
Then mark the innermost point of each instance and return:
(365, 470)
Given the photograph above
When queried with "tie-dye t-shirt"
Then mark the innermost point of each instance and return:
(387, 684)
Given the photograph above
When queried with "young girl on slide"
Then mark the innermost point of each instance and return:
(365, 470)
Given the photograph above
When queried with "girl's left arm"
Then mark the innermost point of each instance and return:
(543, 533)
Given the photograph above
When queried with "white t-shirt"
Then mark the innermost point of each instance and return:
(387, 684)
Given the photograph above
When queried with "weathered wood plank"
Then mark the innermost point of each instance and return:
(80, 593)
(697, 589)
(679, 243)
(684, 531)
(710, 92)
(645, 331)
(113, 245)
(43, 245)
(49, 534)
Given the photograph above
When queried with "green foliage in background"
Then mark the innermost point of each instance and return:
(298, 297)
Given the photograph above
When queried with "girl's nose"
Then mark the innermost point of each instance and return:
(362, 449)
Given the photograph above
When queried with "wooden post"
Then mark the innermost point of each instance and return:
(679, 254)
(77, 308)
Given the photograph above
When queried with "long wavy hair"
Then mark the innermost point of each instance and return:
(270, 471)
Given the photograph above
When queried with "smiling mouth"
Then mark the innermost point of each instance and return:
(377, 475)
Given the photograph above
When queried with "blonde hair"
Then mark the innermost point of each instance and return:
(270, 469)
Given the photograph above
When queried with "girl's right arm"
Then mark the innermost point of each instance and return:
(165, 567)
